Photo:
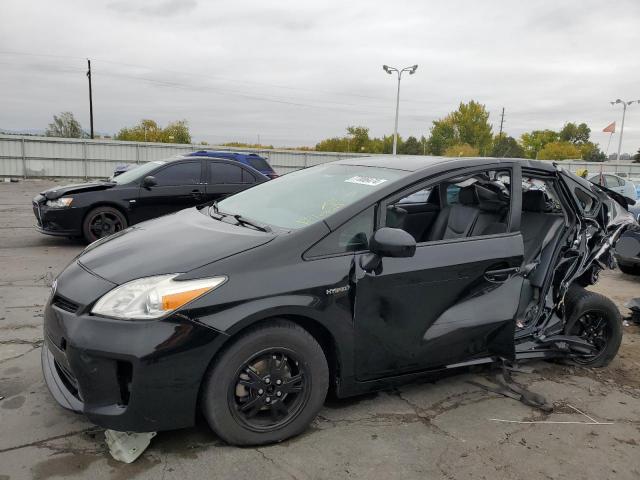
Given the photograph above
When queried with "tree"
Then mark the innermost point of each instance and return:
(461, 150)
(469, 124)
(559, 151)
(359, 138)
(411, 146)
(506, 147)
(149, 131)
(591, 152)
(576, 134)
(636, 157)
(65, 125)
(536, 140)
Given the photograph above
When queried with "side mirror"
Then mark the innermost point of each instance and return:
(392, 242)
(149, 181)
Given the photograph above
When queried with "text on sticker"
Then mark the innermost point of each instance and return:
(371, 181)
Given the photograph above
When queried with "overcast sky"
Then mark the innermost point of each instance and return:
(295, 72)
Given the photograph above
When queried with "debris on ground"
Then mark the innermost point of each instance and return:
(634, 306)
(127, 446)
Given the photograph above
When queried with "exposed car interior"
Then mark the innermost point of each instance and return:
(479, 205)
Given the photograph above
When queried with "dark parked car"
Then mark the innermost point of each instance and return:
(252, 160)
(97, 209)
(350, 276)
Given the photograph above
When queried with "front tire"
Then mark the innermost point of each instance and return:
(266, 386)
(596, 319)
(102, 222)
(629, 269)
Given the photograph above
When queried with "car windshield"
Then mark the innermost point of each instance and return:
(136, 173)
(308, 196)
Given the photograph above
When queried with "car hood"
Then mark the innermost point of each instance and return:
(175, 243)
(58, 192)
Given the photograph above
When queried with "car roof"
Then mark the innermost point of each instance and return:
(226, 153)
(414, 163)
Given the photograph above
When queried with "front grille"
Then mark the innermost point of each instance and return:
(36, 212)
(64, 304)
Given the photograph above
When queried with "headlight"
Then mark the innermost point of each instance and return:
(153, 297)
(62, 202)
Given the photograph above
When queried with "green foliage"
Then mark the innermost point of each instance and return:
(636, 157)
(591, 152)
(576, 134)
(247, 145)
(461, 150)
(469, 124)
(536, 140)
(559, 151)
(149, 131)
(65, 125)
(411, 146)
(506, 147)
(357, 140)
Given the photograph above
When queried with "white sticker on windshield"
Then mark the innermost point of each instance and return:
(371, 181)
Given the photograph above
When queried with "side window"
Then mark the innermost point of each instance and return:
(224, 173)
(184, 173)
(587, 202)
(612, 181)
(353, 236)
(468, 205)
(248, 177)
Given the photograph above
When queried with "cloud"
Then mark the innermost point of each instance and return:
(296, 72)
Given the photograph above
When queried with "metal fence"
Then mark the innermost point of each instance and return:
(28, 156)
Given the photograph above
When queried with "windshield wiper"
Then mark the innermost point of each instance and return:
(214, 212)
(251, 223)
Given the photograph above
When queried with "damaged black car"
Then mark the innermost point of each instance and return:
(346, 277)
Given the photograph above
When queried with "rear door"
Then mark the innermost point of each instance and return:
(179, 185)
(226, 178)
(453, 301)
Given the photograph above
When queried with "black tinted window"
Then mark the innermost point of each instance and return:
(224, 173)
(259, 164)
(187, 173)
(248, 177)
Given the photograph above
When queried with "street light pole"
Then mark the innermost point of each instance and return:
(624, 113)
(389, 70)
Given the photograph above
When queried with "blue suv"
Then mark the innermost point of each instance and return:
(251, 159)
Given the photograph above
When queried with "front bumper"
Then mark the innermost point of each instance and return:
(62, 222)
(123, 375)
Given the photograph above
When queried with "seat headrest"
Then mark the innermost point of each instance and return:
(468, 195)
(533, 201)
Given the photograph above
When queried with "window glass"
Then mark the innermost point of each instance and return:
(586, 201)
(248, 177)
(310, 195)
(259, 164)
(612, 181)
(224, 173)
(137, 173)
(184, 173)
(353, 236)
(476, 204)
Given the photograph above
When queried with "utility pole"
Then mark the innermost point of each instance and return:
(624, 112)
(389, 70)
(501, 122)
(90, 97)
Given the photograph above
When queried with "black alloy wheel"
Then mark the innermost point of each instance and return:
(270, 391)
(267, 385)
(595, 319)
(102, 222)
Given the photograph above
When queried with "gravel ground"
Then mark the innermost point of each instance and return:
(440, 429)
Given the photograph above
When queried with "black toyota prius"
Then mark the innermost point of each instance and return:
(97, 209)
(345, 277)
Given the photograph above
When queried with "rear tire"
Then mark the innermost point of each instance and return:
(102, 222)
(596, 319)
(266, 386)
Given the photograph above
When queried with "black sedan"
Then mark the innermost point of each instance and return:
(349, 276)
(627, 251)
(97, 209)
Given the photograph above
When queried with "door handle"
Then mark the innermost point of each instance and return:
(500, 275)
(196, 193)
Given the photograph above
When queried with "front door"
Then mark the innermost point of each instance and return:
(226, 178)
(178, 186)
(455, 300)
